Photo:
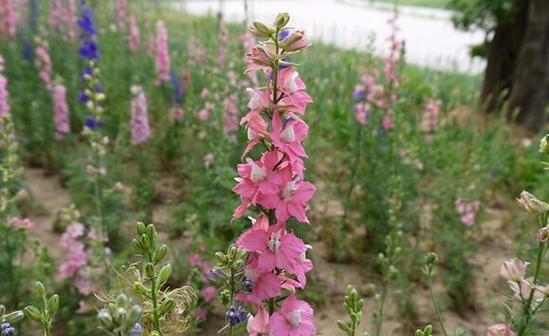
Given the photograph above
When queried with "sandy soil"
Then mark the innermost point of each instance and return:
(49, 195)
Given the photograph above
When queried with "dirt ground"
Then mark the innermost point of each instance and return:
(496, 247)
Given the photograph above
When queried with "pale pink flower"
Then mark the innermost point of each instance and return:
(177, 113)
(513, 270)
(222, 47)
(70, 20)
(75, 259)
(8, 19)
(387, 122)
(44, 63)
(20, 223)
(140, 117)
(260, 57)
(501, 329)
(4, 94)
(467, 211)
(258, 324)
(429, 123)
(208, 159)
(208, 293)
(230, 121)
(134, 40)
(543, 234)
(205, 113)
(295, 99)
(60, 111)
(295, 41)
(201, 314)
(56, 14)
(162, 54)
(294, 318)
(248, 41)
(121, 13)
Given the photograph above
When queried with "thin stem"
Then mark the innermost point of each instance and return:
(275, 69)
(435, 306)
(154, 297)
(352, 177)
(529, 313)
(381, 312)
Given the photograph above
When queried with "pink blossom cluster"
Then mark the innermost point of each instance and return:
(139, 116)
(43, 62)
(196, 52)
(121, 13)
(4, 94)
(56, 15)
(367, 93)
(467, 211)
(20, 223)
(230, 120)
(395, 47)
(162, 54)
(248, 42)
(429, 123)
(500, 329)
(8, 19)
(134, 40)
(274, 184)
(223, 44)
(205, 113)
(60, 111)
(70, 20)
(78, 264)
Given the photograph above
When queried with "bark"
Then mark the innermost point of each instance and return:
(530, 87)
(501, 56)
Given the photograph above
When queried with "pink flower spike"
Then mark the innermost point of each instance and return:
(295, 318)
(139, 117)
(60, 112)
(501, 329)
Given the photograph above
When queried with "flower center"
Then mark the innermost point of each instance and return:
(274, 242)
(288, 191)
(294, 318)
(258, 174)
(288, 134)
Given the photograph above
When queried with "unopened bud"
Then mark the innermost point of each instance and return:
(531, 204)
(260, 29)
(282, 20)
(544, 144)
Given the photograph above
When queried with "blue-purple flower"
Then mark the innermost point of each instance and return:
(236, 315)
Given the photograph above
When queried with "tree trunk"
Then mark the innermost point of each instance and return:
(529, 98)
(501, 56)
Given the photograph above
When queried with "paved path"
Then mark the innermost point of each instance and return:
(431, 39)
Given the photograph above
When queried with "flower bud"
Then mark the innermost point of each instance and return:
(15, 316)
(39, 289)
(53, 303)
(32, 313)
(295, 41)
(282, 20)
(531, 204)
(104, 318)
(167, 306)
(260, 29)
(121, 300)
(164, 274)
(160, 253)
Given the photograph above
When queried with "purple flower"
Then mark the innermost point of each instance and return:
(236, 315)
(7, 330)
(91, 123)
(89, 50)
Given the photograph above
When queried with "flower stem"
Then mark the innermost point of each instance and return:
(435, 306)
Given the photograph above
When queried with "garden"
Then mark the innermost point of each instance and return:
(168, 173)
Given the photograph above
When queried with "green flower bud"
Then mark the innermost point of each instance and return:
(2, 310)
(164, 274)
(53, 303)
(121, 300)
(282, 20)
(544, 145)
(15, 316)
(32, 313)
(149, 270)
(135, 313)
(105, 318)
(141, 228)
(160, 253)
(260, 29)
(39, 289)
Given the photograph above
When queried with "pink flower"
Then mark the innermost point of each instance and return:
(295, 318)
(75, 259)
(257, 176)
(276, 247)
(201, 314)
(288, 135)
(56, 14)
(260, 57)
(121, 13)
(8, 19)
(162, 54)
(140, 118)
(388, 122)
(4, 94)
(291, 198)
(208, 159)
(258, 324)
(70, 13)
(134, 40)
(429, 122)
(513, 270)
(501, 329)
(295, 41)
(60, 111)
(208, 293)
(222, 47)
(231, 115)
(295, 98)
(20, 223)
(467, 211)
(543, 234)
(205, 113)
(266, 286)
(44, 64)
(177, 113)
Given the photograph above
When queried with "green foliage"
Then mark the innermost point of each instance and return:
(353, 306)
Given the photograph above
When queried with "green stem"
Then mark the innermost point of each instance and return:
(275, 69)
(352, 177)
(435, 306)
(527, 308)
(381, 311)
